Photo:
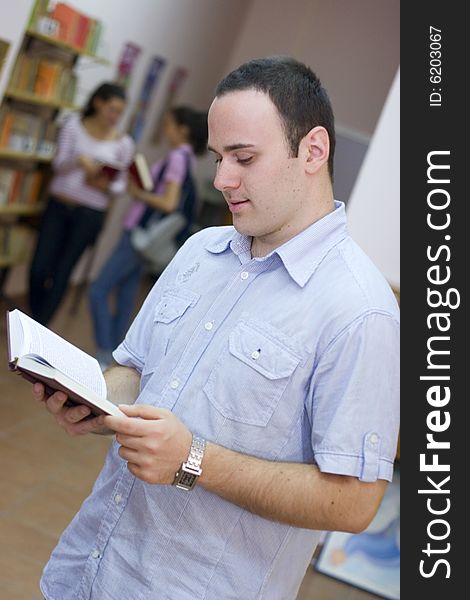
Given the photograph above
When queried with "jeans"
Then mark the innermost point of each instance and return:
(66, 231)
(121, 274)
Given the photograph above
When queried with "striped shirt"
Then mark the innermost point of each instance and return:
(175, 172)
(291, 357)
(69, 178)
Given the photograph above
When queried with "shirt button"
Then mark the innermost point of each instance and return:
(255, 355)
(118, 498)
(95, 554)
(209, 326)
(244, 275)
(174, 384)
(374, 438)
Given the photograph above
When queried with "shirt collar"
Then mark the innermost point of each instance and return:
(302, 254)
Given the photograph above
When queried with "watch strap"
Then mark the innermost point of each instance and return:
(188, 473)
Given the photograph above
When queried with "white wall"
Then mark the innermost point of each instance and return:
(374, 206)
(353, 46)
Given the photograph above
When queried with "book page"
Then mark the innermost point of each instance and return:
(64, 356)
(17, 344)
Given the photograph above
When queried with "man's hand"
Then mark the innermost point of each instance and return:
(72, 419)
(155, 445)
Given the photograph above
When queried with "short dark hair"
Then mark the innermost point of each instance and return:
(105, 91)
(196, 122)
(295, 91)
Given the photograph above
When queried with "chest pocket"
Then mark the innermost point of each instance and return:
(167, 315)
(252, 373)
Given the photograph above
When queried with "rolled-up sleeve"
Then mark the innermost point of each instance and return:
(354, 400)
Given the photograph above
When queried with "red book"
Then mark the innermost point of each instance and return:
(67, 17)
(140, 172)
(111, 171)
(82, 29)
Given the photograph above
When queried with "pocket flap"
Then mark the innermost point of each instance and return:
(174, 304)
(261, 352)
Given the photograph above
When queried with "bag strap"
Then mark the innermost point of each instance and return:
(149, 211)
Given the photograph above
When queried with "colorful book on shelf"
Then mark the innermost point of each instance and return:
(32, 187)
(48, 73)
(6, 126)
(6, 179)
(81, 31)
(67, 16)
(40, 355)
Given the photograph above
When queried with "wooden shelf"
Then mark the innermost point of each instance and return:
(61, 44)
(14, 155)
(33, 99)
(21, 209)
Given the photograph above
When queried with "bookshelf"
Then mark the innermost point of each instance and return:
(29, 98)
(42, 83)
(65, 45)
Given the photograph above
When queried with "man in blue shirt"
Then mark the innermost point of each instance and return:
(265, 366)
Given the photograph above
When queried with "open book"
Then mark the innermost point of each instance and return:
(138, 169)
(38, 354)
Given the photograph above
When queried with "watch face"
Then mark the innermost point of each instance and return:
(186, 480)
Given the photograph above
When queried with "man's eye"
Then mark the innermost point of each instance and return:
(244, 161)
(218, 161)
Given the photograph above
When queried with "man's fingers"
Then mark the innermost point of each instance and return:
(55, 403)
(38, 392)
(144, 411)
(128, 454)
(83, 426)
(130, 441)
(136, 426)
(76, 414)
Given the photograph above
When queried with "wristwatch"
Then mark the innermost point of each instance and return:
(188, 473)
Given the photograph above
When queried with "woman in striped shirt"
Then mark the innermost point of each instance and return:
(79, 195)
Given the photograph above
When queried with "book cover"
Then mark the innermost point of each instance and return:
(40, 355)
(140, 171)
(81, 32)
(15, 187)
(46, 79)
(6, 179)
(67, 18)
(7, 124)
(111, 171)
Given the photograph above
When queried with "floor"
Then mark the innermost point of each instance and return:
(46, 475)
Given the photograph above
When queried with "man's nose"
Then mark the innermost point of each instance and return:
(226, 177)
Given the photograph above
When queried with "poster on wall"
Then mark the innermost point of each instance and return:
(138, 120)
(369, 560)
(174, 87)
(127, 62)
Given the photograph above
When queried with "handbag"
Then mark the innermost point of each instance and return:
(157, 238)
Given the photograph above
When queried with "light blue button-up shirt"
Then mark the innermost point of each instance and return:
(290, 357)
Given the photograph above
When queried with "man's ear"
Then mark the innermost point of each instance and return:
(314, 148)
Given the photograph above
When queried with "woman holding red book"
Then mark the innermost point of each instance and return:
(79, 195)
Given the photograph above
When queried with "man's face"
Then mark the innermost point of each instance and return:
(261, 182)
